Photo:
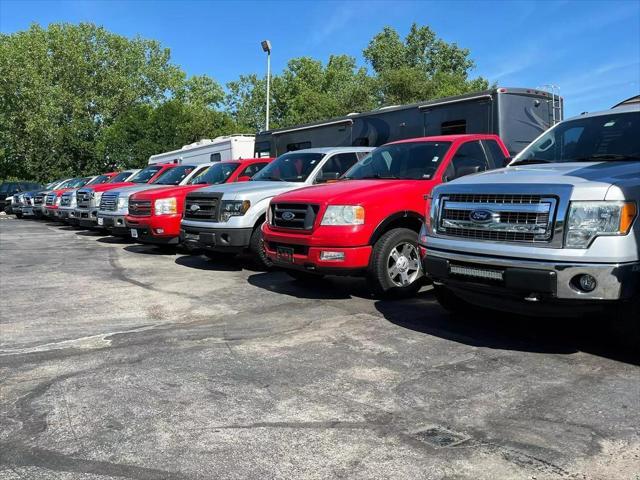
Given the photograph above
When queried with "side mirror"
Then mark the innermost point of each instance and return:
(462, 171)
(327, 177)
(243, 178)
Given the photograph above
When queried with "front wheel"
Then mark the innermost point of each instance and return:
(395, 268)
(18, 215)
(256, 246)
(625, 323)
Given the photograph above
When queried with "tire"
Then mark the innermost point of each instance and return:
(385, 276)
(304, 277)
(625, 323)
(256, 246)
(451, 302)
(18, 215)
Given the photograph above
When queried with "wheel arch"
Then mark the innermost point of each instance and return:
(405, 219)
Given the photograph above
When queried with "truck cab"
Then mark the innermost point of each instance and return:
(368, 222)
(556, 233)
(154, 215)
(227, 218)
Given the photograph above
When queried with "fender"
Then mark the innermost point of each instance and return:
(382, 226)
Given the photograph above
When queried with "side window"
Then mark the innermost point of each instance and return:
(336, 166)
(252, 169)
(469, 158)
(495, 153)
(215, 157)
(292, 147)
(453, 127)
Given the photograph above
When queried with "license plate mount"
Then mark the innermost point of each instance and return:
(284, 254)
(100, 221)
(134, 233)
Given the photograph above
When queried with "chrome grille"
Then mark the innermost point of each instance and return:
(295, 216)
(50, 199)
(140, 208)
(65, 201)
(497, 217)
(83, 198)
(202, 207)
(39, 198)
(109, 202)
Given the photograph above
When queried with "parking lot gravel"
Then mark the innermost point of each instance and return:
(119, 360)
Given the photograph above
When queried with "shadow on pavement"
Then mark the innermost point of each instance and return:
(91, 233)
(232, 263)
(324, 288)
(153, 249)
(106, 238)
(505, 331)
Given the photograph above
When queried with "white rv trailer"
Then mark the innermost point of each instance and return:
(231, 147)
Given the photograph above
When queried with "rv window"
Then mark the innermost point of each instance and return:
(361, 142)
(215, 157)
(292, 147)
(262, 149)
(453, 127)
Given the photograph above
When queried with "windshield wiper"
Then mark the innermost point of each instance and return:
(529, 161)
(375, 176)
(273, 179)
(605, 156)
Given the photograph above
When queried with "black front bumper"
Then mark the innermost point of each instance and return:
(217, 239)
(145, 236)
(110, 224)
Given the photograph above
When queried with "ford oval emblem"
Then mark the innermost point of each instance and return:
(195, 207)
(483, 216)
(288, 216)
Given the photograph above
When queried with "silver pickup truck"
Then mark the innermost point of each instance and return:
(227, 218)
(556, 233)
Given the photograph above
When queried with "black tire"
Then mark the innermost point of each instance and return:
(304, 277)
(18, 215)
(625, 323)
(380, 275)
(256, 246)
(450, 301)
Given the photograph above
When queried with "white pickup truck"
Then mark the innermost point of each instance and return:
(555, 233)
(227, 218)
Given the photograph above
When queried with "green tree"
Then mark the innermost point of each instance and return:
(419, 67)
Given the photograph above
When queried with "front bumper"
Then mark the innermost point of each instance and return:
(115, 224)
(87, 218)
(217, 239)
(160, 230)
(535, 281)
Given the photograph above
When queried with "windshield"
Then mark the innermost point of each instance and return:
(144, 175)
(99, 179)
(218, 173)
(411, 160)
(600, 138)
(174, 175)
(121, 177)
(290, 167)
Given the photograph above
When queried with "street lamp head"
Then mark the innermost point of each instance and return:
(266, 46)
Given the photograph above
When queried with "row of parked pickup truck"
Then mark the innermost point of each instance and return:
(553, 231)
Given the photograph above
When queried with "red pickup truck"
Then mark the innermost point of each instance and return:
(368, 222)
(154, 215)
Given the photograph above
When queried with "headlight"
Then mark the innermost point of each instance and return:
(165, 206)
(343, 215)
(269, 215)
(123, 203)
(233, 208)
(96, 198)
(58, 199)
(74, 200)
(588, 220)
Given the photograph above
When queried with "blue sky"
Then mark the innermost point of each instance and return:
(591, 49)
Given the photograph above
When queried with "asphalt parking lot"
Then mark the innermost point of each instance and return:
(124, 361)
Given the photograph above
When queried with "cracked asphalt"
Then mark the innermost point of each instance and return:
(124, 361)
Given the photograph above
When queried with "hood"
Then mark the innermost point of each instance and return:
(356, 192)
(127, 191)
(239, 191)
(167, 191)
(589, 180)
(103, 187)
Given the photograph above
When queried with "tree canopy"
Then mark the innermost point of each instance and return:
(78, 99)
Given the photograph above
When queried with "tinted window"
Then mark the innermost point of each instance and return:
(121, 177)
(215, 157)
(290, 167)
(607, 137)
(453, 127)
(469, 158)
(495, 152)
(410, 160)
(144, 175)
(218, 173)
(292, 147)
(336, 166)
(99, 179)
(252, 169)
(175, 175)
(263, 149)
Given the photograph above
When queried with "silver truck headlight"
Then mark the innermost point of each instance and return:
(96, 198)
(343, 215)
(165, 206)
(588, 220)
(58, 200)
(122, 204)
(233, 208)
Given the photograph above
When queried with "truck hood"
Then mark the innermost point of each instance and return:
(356, 192)
(589, 180)
(126, 192)
(167, 191)
(244, 190)
(103, 187)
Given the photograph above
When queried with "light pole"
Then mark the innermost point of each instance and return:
(266, 47)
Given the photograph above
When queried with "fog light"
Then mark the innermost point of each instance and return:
(587, 282)
(159, 230)
(332, 256)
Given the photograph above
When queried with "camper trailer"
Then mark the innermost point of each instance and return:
(517, 115)
(232, 147)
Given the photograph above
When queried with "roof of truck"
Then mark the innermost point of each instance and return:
(447, 138)
(333, 149)
(632, 107)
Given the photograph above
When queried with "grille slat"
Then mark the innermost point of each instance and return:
(200, 207)
(302, 216)
(109, 202)
(50, 199)
(83, 198)
(65, 201)
(140, 208)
